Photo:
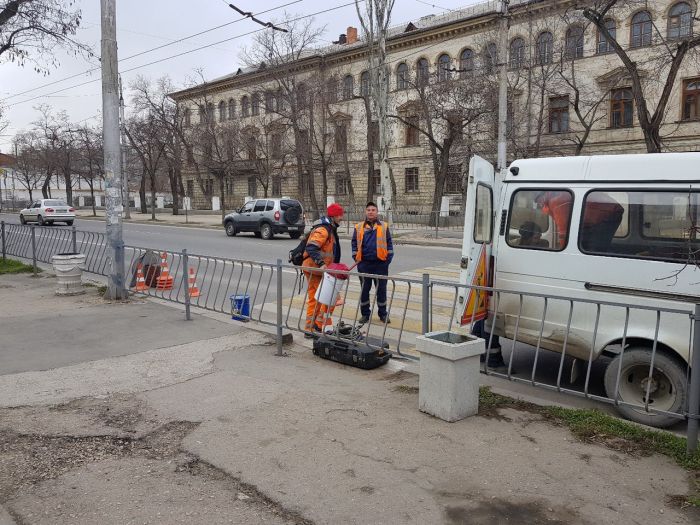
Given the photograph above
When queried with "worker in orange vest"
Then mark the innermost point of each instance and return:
(322, 249)
(373, 250)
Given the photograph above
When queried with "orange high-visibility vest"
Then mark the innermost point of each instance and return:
(382, 249)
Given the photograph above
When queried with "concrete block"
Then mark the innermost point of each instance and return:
(98, 201)
(160, 203)
(215, 204)
(449, 374)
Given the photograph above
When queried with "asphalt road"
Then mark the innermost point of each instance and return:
(203, 241)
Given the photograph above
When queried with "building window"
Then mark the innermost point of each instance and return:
(332, 90)
(545, 48)
(621, 107)
(364, 84)
(222, 111)
(574, 42)
(517, 53)
(444, 68)
(341, 137)
(342, 184)
(348, 87)
(190, 188)
(490, 57)
(255, 104)
(229, 185)
(251, 147)
(604, 46)
(559, 114)
(412, 123)
(245, 106)
(377, 182)
(202, 115)
(545, 216)
(373, 142)
(231, 108)
(188, 118)
(303, 145)
(252, 186)
(276, 145)
(680, 21)
(211, 116)
(453, 182)
(269, 101)
(411, 180)
(302, 96)
(209, 187)
(466, 63)
(691, 99)
(641, 30)
(422, 72)
(276, 186)
(402, 76)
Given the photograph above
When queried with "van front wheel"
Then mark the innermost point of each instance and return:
(667, 386)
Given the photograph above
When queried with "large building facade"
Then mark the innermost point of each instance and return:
(306, 126)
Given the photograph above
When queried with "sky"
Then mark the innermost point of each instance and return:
(145, 24)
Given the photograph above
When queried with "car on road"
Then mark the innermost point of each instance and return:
(48, 211)
(267, 217)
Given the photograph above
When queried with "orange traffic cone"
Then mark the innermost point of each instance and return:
(194, 291)
(165, 280)
(140, 280)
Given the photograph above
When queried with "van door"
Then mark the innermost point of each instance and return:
(477, 241)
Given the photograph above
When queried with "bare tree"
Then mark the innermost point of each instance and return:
(668, 51)
(32, 30)
(28, 163)
(144, 133)
(89, 158)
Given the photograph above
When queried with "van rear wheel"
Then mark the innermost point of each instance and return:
(667, 386)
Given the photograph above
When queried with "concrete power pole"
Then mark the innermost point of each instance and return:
(502, 88)
(122, 151)
(383, 16)
(112, 152)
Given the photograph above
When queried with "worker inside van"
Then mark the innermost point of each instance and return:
(557, 204)
(602, 216)
(531, 235)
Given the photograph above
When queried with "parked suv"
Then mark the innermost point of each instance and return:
(266, 217)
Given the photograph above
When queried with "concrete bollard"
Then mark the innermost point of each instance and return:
(449, 374)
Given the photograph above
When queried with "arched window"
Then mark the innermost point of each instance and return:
(402, 77)
(222, 111)
(302, 96)
(364, 83)
(348, 87)
(545, 48)
(466, 63)
(245, 106)
(680, 21)
(621, 108)
(691, 99)
(422, 72)
(517, 53)
(332, 90)
(202, 115)
(188, 117)
(490, 57)
(444, 67)
(211, 116)
(231, 108)
(641, 30)
(574, 42)
(255, 104)
(604, 45)
(269, 101)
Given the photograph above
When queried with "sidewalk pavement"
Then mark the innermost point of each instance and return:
(422, 237)
(199, 422)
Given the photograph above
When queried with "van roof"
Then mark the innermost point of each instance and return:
(647, 167)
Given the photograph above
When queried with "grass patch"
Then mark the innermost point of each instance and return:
(406, 389)
(10, 266)
(102, 290)
(599, 427)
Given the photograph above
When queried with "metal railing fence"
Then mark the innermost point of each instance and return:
(543, 337)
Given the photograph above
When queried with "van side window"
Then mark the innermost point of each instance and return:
(540, 219)
(483, 218)
(659, 225)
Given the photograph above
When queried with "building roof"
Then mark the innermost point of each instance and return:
(6, 160)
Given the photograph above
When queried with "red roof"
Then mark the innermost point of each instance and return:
(6, 160)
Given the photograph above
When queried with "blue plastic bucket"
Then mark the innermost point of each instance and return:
(240, 307)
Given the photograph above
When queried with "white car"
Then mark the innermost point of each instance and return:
(48, 211)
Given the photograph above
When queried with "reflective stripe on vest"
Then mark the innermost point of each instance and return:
(382, 250)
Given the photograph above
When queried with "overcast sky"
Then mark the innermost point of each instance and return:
(145, 24)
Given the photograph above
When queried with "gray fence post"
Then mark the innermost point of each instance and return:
(186, 282)
(437, 224)
(425, 318)
(279, 307)
(74, 239)
(4, 250)
(34, 249)
(694, 395)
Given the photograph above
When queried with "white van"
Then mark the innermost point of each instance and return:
(621, 228)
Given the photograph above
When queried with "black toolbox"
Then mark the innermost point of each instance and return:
(365, 352)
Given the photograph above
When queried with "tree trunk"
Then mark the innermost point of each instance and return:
(142, 193)
(172, 175)
(153, 196)
(69, 186)
(370, 151)
(92, 196)
(45, 186)
(222, 198)
(31, 195)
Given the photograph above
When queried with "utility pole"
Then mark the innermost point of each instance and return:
(122, 138)
(502, 88)
(112, 156)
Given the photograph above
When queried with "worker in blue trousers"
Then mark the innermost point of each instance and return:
(373, 251)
